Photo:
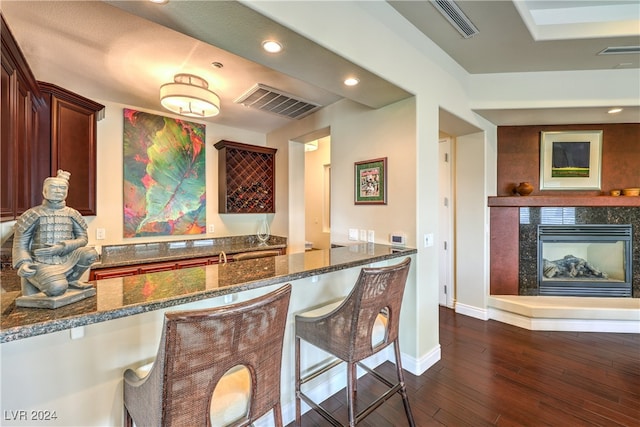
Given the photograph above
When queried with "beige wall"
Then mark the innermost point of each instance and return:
(357, 133)
(110, 181)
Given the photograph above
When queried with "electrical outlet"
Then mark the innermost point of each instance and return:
(353, 234)
(76, 333)
(211, 228)
(428, 240)
(371, 236)
(363, 235)
(101, 234)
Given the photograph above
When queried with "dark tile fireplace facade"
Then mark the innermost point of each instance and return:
(531, 217)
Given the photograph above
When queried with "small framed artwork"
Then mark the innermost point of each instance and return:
(371, 182)
(570, 160)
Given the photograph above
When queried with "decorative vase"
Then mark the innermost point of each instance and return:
(524, 189)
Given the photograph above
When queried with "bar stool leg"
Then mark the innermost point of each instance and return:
(351, 393)
(403, 390)
(277, 415)
(297, 374)
(128, 421)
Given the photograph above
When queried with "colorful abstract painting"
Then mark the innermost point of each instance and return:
(164, 176)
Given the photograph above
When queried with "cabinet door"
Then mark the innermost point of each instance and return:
(110, 273)
(24, 134)
(7, 155)
(161, 266)
(69, 129)
(198, 262)
(74, 150)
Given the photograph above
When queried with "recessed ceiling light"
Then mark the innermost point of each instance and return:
(271, 46)
(159, 1)
(311, 146)
(351, 81)
(614, 110)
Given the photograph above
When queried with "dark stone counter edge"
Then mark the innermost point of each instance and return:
(42, 328)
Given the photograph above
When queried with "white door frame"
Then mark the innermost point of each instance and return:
(446, 285)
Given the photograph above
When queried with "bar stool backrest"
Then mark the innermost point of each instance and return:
(377, 291)
(198, 347)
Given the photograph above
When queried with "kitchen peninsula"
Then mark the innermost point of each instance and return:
(126, 296)
(70, 360)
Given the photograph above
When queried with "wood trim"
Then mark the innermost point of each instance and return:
(247, 147)
(544, 201)
(504, 251)
(12, 52)
(73, 98)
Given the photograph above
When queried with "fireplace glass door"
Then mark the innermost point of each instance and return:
(584, 260)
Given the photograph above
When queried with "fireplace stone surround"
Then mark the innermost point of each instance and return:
(532, 217)
(513, 268)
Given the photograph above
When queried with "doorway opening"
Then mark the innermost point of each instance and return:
(309, 205)
(317, 193)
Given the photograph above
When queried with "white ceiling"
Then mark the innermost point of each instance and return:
(509, 40)
(122, 51)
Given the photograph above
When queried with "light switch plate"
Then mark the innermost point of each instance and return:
(428, 240)
(363, 235)
(371, 236)
(353, 234)
(101, 234)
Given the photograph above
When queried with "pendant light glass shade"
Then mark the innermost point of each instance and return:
(190, 96)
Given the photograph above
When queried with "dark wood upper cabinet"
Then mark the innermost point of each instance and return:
(20, 153)
(68, 125)
(44, 128)
(246, 178)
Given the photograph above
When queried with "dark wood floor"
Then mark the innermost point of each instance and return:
(494, 374)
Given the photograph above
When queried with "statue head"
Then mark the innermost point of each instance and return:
(55, 188)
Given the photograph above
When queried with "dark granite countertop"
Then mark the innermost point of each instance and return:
(126, 296)
(139, 253)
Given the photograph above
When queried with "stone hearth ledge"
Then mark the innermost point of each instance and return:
(574, 314)
(127, 296)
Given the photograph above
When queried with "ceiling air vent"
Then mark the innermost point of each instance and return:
(620, 50)
(450, 10)
(265, 98)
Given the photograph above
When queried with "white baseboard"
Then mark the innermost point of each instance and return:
(419, 366)
(471, 311)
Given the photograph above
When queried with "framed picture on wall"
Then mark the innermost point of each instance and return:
(371, 182)
(570, 160)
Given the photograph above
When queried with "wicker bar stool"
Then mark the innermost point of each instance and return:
(348, 329)
(218, 366)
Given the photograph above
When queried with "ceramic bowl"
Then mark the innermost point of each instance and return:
(631, 191)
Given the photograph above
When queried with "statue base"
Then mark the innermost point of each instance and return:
(40, 300)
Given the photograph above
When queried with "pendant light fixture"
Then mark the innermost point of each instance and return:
(189, 95)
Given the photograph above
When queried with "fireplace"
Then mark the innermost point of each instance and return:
(585, 260)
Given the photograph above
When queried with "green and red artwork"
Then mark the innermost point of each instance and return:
(164, 176)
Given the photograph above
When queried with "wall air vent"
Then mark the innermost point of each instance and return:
(265, 98)
(450, 10)
(617, 50)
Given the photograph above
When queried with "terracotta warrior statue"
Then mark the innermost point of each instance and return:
(49, 244)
